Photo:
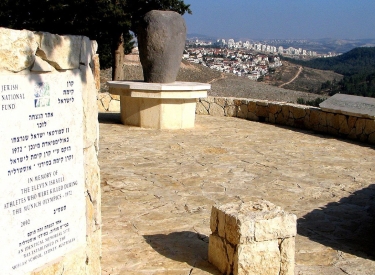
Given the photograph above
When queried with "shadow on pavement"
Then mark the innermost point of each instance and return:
(322, 135)
(347, 225)
(185, 246)
(109, 118)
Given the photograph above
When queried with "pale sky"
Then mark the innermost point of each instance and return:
(282, 19)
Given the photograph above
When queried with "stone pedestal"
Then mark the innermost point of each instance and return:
(158, 105)
(253, 238)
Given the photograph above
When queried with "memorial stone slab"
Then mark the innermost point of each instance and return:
(42, 205)
(350, 105)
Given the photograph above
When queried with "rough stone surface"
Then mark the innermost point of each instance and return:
(90, 107)
(261, 258)
(17, 49)
(161, 42)
(114, 105)
(41, 66)
(220, 254)
(287, 248)
(95, 67)
(87, 51)
(252, 238)
(201, 109)
(216, 109)
(61, 51)
(158, 188)
(103, 102)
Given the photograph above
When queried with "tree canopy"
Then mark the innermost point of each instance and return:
(107, 21)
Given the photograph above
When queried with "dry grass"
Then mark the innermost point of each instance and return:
(307, 81)
(227, 85)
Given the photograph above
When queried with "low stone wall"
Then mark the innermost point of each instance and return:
(108, 102)
(281, 113)
(49, 80)
(293, 115)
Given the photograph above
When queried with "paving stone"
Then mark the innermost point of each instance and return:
(163, 184)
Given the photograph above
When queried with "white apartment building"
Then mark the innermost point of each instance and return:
(231, 43)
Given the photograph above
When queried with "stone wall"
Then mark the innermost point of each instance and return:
(108, 102)
(293, 115)
(281, 113)
(32, 54)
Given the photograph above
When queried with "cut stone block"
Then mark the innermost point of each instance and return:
(252, 238)
(351, 105)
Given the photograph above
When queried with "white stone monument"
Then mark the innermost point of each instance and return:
(49, 174)
(158, 105)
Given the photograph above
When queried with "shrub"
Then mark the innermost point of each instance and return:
(314, 102)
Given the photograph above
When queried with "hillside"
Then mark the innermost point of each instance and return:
(304, 79)
(356, 61)
(223, 85)
(357, 66)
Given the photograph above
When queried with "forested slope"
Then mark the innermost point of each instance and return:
(357, 66)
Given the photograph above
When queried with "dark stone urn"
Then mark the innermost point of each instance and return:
(161, 42)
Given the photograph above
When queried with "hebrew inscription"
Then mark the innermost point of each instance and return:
(42, 202)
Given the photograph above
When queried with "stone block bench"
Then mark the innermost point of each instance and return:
(158, 105)
(253, 238)
(350, 105)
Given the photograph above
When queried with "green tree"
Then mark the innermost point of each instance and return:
(140, 7)
(107, 21)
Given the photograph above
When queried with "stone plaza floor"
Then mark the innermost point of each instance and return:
(158, 187)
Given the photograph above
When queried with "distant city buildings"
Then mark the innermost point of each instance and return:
(260, 47)
(232, 44)
(246, 59)
(240, 62)
(202, 43)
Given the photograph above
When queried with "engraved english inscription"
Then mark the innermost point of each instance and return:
(42, 199)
